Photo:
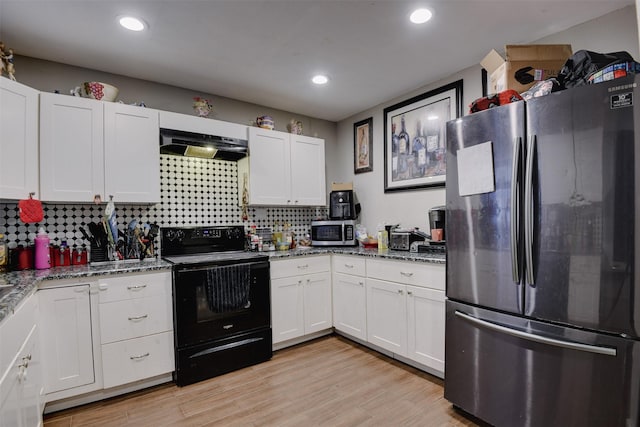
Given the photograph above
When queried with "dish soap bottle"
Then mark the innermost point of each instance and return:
(43, 258)
(383, 238)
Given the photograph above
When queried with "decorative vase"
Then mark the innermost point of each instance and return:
(295, 127)
(202, 106)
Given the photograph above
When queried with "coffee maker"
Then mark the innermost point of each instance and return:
(342, 205)
(436, 222)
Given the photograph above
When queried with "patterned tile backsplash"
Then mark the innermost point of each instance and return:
(193, 192)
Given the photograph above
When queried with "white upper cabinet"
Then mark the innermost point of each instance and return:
(90, 148)
(71, 148)
(308, 187)
(269, 168)
(283, 169)
(131, 154)
(18, 140)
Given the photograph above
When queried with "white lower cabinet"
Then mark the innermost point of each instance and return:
(350, 296)
(111, 332)
(300, 297)
(67, 337)
(135, 359)
(425, 326)
(136, 327)
(406, 310)
(387, 315)
(21, 376)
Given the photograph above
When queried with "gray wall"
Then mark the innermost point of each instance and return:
(48, 76)
(613, 32)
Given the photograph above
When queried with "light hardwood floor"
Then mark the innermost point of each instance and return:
(327, 382)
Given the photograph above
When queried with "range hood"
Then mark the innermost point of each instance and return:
(182, 143)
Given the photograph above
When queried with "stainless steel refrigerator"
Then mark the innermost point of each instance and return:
(543, 309)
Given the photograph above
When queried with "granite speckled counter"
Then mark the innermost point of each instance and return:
(16, 285)
(429, 257)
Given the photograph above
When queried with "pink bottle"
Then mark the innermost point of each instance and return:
(43, 260)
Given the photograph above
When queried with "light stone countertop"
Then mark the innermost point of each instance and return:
(17, 285)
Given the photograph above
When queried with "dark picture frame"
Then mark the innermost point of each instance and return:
(363, 146)
(415, 138)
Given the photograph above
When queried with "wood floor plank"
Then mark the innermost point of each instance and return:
(330, 381)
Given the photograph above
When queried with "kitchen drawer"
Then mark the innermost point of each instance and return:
(410, 273)
(136, 359)
(118, 288)
(121, 320)
(300, 265)
(14, 330)
(349, 265)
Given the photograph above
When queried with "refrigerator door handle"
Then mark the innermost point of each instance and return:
(537, 338)
(528, 212)
(514, 228)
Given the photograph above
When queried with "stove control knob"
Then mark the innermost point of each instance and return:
(179, 235)
(170, 234)
(234, 233)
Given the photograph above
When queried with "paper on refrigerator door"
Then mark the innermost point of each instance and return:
(475, 169)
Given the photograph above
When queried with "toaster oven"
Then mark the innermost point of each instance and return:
(401, 240)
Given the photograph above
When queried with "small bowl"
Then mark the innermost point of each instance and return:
(100, 91)
(283, 246)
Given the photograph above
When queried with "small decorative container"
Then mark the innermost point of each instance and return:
(202, 106)
(265, 122)
(295, 127)
(100, 91)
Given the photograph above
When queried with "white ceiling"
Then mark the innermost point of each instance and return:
(265, 51)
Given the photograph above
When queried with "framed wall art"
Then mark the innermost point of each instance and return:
(415, 138)
(363, 146)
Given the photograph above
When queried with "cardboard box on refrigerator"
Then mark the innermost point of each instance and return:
(524, 65)
(341, 186)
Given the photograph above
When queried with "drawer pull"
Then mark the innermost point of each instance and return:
(136, 287)
(133, 319)
(349, 265)
(142, 356)
(405, 274)
(302, 267)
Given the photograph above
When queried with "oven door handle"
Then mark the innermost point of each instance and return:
(253, 265)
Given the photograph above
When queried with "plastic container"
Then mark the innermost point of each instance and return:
(383, 238)
(42, 256)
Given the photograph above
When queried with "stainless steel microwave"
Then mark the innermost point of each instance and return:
(333, 233)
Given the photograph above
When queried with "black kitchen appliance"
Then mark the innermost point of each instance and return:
(437, 221)
(342, 205)
(221, 301)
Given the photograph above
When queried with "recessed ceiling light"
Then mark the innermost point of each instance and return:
(320, 79)
(131, 23)
(420, 16)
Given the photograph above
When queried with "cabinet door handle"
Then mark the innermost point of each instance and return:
(406, 274)
(409, 293)
(136, 287)
(349, 265)
(142, 356)
(299, 282)
(400, 291)
(133, 319)
(361, 283)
